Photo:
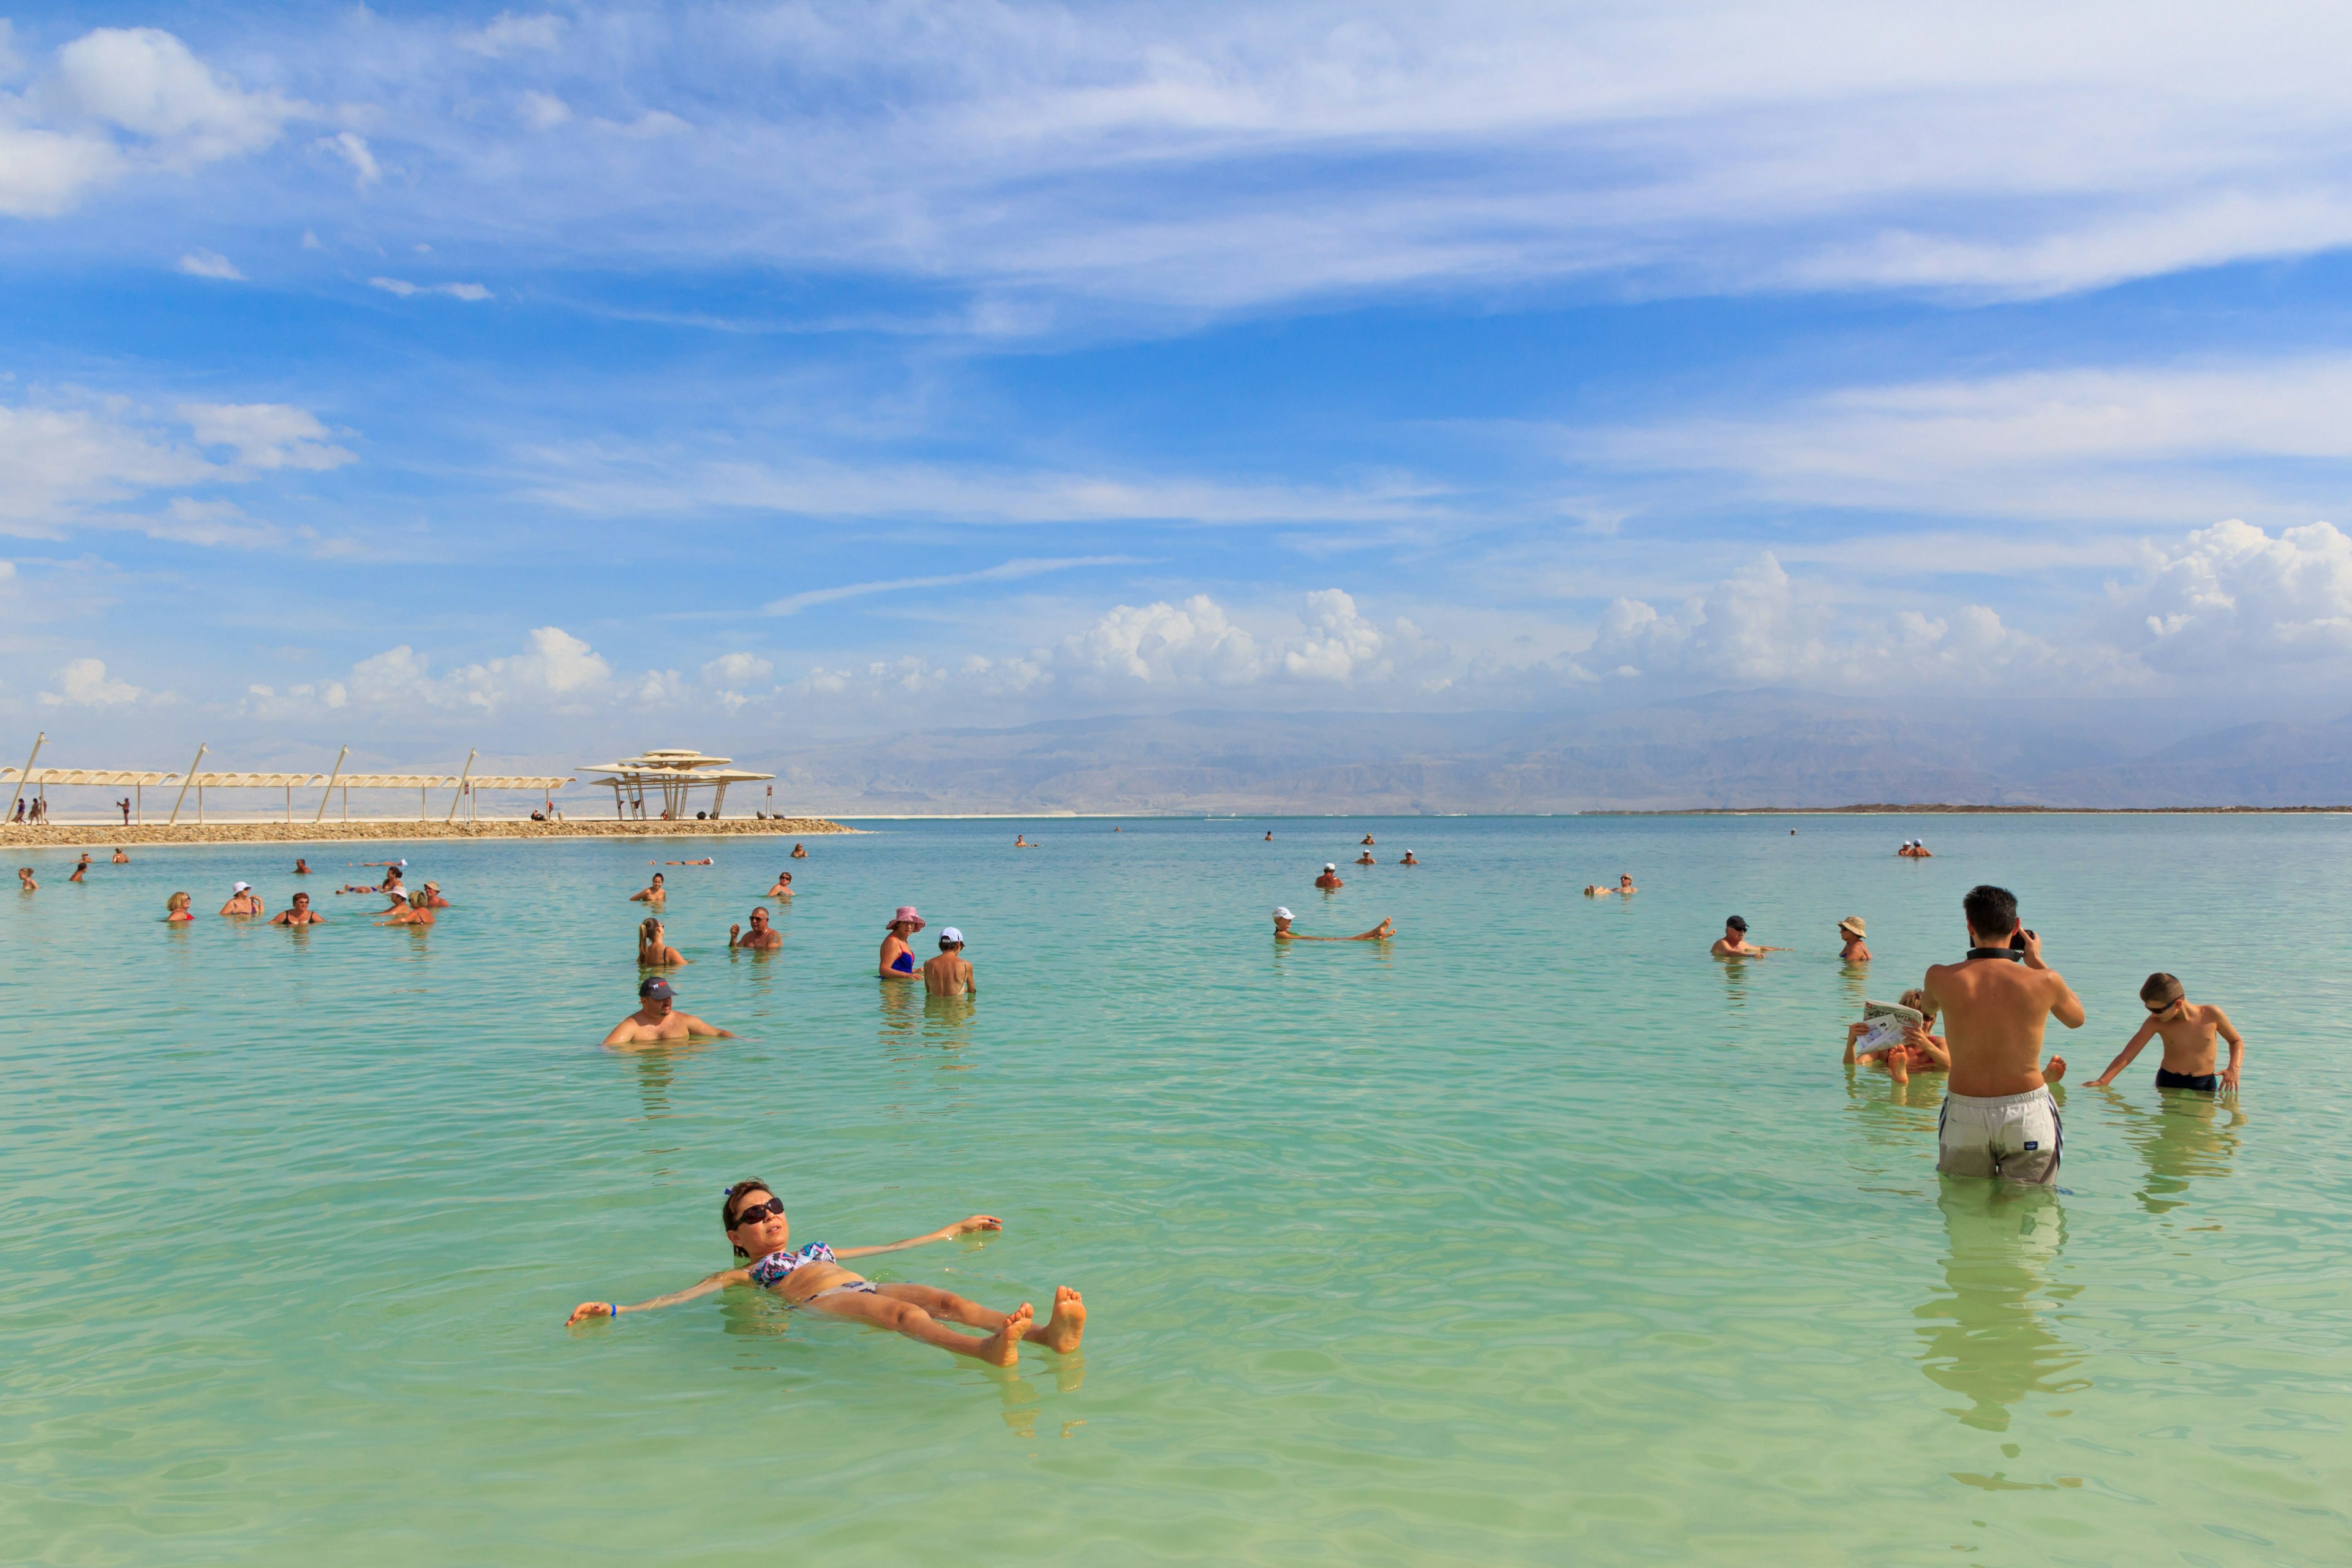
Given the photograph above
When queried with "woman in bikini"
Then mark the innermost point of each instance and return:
(814, 1279)
(783, 887)
(898, 960)
(653, 950)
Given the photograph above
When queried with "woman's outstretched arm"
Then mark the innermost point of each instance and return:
(587, 1309)
(961, 1227)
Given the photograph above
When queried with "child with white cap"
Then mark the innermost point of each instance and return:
(949, 975)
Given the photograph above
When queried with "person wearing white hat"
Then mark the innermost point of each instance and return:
(1282, 932)
(1329, 880)
(243, 900)
(949, 975)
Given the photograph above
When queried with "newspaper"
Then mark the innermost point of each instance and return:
(1885, 1021)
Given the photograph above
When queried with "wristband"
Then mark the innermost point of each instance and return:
(614, 1307)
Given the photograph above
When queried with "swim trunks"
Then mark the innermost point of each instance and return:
(2015, 1137)
(2209, 1082)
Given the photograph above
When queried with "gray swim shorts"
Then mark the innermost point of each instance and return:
(2015, 1137)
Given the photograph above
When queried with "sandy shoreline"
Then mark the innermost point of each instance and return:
(96, 835)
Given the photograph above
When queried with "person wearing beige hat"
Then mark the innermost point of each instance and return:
(1855, 949)
(2187, 1029)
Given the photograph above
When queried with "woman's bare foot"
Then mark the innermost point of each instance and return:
(1003, 1348)
(1897, 1067)
(1063, 1329)
(2056, 1071)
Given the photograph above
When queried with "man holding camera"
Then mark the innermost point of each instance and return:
(1999, 1119)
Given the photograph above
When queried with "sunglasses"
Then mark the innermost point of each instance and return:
(758, 1212)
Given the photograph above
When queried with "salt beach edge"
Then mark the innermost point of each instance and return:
(93, 835)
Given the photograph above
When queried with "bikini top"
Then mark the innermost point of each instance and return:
(773, 1269)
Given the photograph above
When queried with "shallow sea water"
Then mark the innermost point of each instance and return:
(1534, 1235)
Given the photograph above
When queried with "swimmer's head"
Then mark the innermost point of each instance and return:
(950, 939)
(1916, 1000)
(176, 901)
(657, 876)
(2159, 992)
(759, 915)
(1736, 923)
(1991, 912)
(656, 993)
(734, 1216)
(1282, 917)
(649, 928)
(418, 900)
(302, 900)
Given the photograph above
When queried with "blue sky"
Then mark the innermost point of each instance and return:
(562, 380)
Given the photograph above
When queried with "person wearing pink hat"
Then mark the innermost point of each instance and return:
(898, 960)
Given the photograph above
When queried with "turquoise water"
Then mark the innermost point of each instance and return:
(1534, 1235)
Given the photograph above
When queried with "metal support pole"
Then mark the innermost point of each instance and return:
(465, 773)
(326, 793)
(289, 806)
(23, 778)
(139, 797)
(185, 779)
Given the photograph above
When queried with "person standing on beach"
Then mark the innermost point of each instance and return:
(1282, 932)
(124, 807)
(760, 938)
(81, 868)
(298, 914)
(898, 960)
(656, 1019)
(1998, 1120)
(2188, 1029)
(949, 975)
(1329, 880)
(1855, 949)
(244, 901)
(1734, 942)
(654, 894)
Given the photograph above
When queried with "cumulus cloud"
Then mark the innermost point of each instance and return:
(2231, 598)
(555, 670)
(86, 684)
(119, 100)
(265, 434)
(210, 264)
(402, 287)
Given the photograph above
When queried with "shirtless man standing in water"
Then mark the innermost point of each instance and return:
(1999, 1119)
(763, 937)
(2187, 1029)
(655, 1019)
(949, 975)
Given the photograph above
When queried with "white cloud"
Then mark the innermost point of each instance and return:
(353, 149)
(737, 669)
(87, 685)
(509, 34)
(210, 264)
(555, 670)
(118, 101)
(2231, 600)
(265, 434)
(1010, 571)
(402, 287)
(544, 110)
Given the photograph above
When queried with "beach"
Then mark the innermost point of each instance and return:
(1532, 1236)
(78, 835)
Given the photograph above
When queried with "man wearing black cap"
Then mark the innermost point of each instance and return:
(1734, 942)
(657, 1019)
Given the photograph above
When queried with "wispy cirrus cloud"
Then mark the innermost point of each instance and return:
(1009, 572)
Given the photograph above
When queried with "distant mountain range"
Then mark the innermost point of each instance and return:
(1742, 750)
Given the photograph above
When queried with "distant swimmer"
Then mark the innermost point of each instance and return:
(298, 913)
(814, 1279)
(1597, 891)
(654, 894)
(1914, 850)
(799, 853)
(1854, 950)
(25, 883)
(1998, 1120)
(175, 909)
(657, 1019)
(1366, 859)
(1625, 882)
(120, 859)
(392, 865)
(1329, 880)
(949, 975)
(2188, 1029)
(760, 938)
(433, 898)
(1282, 932)
(82, 869)
(653, 950)
(244, 901)
(1367, 838)
(1270, 835)
(414, 912)
(702, 862)
(898, 960)
(301, 867)
(783, 887)
(1734, 942)
(1020, 842)
(1917, 1051)
(1408, 860)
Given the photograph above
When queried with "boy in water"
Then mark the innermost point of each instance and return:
(812, 1278)
(2188, 1028)
(949, 975)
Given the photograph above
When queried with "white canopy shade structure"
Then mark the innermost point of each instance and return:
(672, 774)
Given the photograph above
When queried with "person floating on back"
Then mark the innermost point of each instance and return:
(1998, 1120)
(2188, 1028)
(949, 975)
(814, 1279)
(1282, 932)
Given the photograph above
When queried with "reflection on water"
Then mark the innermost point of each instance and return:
(1993, 1337)
(658, 1062)
(2188, 1134)
(947, 1025)
(902, 1013)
